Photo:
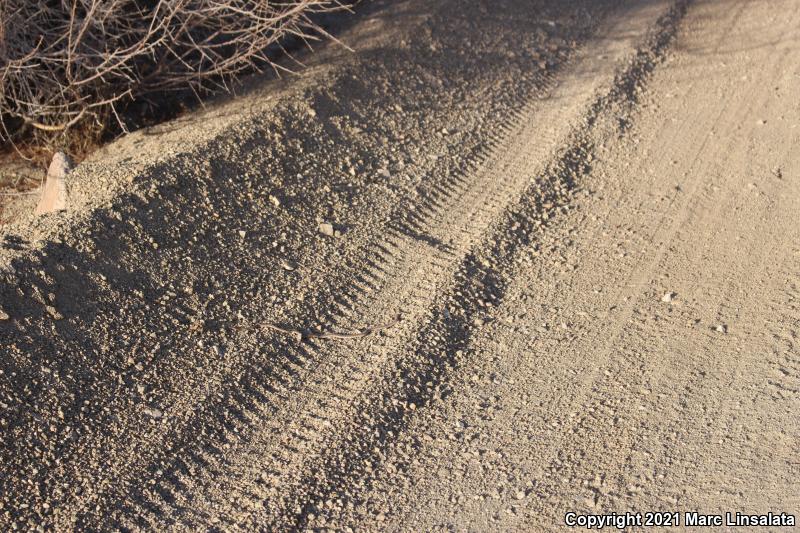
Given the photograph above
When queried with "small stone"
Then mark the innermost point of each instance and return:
(384, 173)
(274, 200)
(520, 495)
(152, 412)
(53, 312)
(327, 229)
(288, 265)
(721, 328)
(478, 322)
(242, 233)
(4, 315)
(54, 192)
(668, 297)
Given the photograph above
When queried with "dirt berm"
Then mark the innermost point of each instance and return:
(508, 260)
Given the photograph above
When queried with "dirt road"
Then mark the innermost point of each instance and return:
(562, 274)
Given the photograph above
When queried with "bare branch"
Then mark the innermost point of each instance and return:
(69, 63)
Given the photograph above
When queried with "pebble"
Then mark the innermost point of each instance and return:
(668, 297)
(4, 315)
(288, 265)
(53, 312)
(721, 328)
(326, 229)
(275, 201)
(151, 412)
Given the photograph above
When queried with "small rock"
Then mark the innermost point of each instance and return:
(478, 322)
(4, 315)
(54, 192)
(721, 328)
(288, 265)
(152, 412)
(327, 229)
(668, 297)
(242, 233)
(274, 200)
(53, 312)
(384, 173)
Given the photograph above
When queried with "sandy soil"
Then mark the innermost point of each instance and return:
(544, 257)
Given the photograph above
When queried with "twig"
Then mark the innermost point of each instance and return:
(300, 335)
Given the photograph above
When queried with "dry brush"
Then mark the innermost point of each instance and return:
(68, 66)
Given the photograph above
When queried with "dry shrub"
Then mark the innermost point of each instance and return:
(68, 66)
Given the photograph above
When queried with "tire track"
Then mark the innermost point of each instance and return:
(300, 363)
(222, 410)
(460, 214)
(376, 429)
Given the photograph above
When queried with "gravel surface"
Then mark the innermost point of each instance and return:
(506, 261)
